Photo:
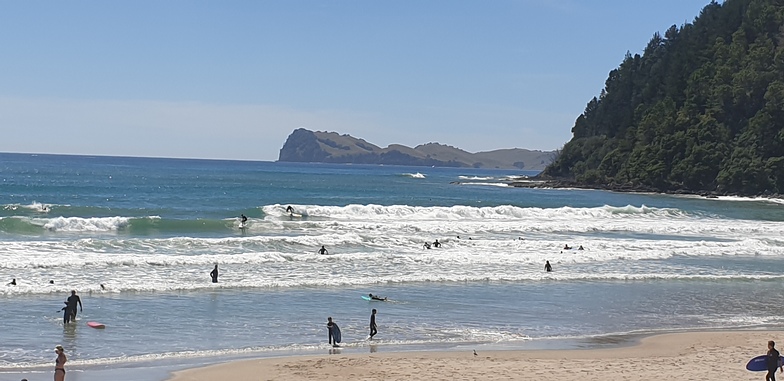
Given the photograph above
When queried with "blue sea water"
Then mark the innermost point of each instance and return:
(150, 231)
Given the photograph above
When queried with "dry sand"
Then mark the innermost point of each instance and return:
(679, 356)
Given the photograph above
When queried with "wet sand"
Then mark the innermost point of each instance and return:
(695, 356)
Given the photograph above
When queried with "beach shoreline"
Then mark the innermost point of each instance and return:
(668, 356)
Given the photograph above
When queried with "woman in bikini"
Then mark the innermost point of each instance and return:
(59, 364)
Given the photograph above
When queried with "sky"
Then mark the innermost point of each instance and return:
(232, 79)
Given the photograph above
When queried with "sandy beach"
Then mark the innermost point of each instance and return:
(679, 356)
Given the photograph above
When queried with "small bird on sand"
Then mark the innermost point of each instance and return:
(475, 353)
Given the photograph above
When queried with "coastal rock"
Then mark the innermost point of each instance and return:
(330, 147)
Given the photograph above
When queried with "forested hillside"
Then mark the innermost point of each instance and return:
(702, 109)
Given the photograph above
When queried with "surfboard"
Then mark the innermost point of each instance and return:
(336, 337)
(367, 298)
(243, 226)
(95, 324)
(758, 364)
(295, 215)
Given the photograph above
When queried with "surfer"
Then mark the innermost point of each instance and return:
(289, 209)
(580, 248)
(12, 282)
(243, 220)
(772, 360)
(323, 250)
(59, 363)
(566, 247)
(373, 326)
(436, 244)
(102, 287)
(331, 329)
(376, 297)
(73, 300)
(426, 245)
(547, 266)
(214, 274)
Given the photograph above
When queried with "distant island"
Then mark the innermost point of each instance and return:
(700, 111)
(330, 147)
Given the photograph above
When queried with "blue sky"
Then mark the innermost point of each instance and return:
(232, 79)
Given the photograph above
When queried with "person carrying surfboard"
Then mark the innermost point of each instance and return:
(334, 332)
(772, 361)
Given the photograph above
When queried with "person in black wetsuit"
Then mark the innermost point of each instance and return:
(376, 297)
(547, 266)
(12, 283)
(323, 250)
(243, 218)
(772, 361)
(373, 326)
(289, 209)
(214, 274)
(331, 329)
(66, 314)
(73, 300)
(436, 244)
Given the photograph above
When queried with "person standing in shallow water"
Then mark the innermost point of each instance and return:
(72, 301)
(331, 331)
(547, 266)
(59, 363)
(773, 362)
(373, 326)
(214, 274)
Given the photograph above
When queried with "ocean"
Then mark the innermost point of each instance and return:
(150, 231)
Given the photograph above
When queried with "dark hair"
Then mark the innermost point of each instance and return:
(772, 343)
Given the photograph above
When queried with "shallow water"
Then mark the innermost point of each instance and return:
(150, 231)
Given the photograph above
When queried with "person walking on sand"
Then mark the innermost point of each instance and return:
(373, 326)
(214, 274)
(547, 266)
(59, 363)
(772, 361)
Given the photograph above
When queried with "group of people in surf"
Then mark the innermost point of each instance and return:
(428, 245)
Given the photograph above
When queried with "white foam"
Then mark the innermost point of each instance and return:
(370, 244)
(415, 175)
(79, 224)
(476, 178)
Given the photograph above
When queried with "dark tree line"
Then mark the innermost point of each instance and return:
(702, 109)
